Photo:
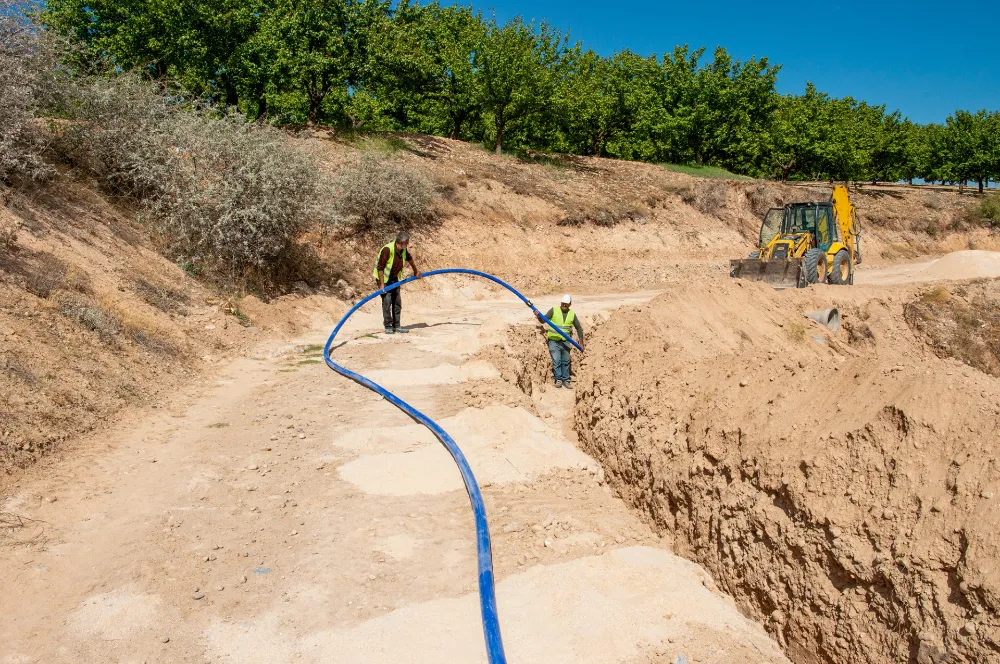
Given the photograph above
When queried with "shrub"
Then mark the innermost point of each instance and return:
(374, 194)
(106, 323)
(711, 197)
(987, 211)
(222, 191)
(21, 144)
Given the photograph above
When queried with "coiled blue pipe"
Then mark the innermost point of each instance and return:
(487, 593)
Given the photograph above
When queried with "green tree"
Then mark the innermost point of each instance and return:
(424, 67)
(191, 42)
(312, 48)
(974, 142)
(515, 64)
(591, 101)
(914, 156)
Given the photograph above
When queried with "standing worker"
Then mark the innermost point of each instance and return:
(388, 268)
(566, 320)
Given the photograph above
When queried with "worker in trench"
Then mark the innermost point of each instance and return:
(392, 259)
(566, 320)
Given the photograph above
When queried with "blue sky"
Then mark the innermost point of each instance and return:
(924, 59)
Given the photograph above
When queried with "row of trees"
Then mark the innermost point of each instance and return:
(450, 71)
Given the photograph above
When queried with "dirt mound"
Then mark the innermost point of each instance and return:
(842, 487)
(965, 265)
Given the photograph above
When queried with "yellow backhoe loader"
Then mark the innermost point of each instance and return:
(805, 243)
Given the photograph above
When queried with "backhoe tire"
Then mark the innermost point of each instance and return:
(814, 265)
(842, 273)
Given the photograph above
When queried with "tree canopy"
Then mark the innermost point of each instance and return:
(447, 70)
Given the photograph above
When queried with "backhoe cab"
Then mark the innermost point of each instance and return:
(805, 243)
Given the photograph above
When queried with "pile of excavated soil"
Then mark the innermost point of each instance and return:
(844, 488)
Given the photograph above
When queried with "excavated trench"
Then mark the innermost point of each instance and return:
(843, 488)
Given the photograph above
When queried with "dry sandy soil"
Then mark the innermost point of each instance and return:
(843, 486)
(280, 513)
(185, 481)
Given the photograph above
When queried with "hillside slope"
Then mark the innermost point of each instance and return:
(94, 319)
(555, 222)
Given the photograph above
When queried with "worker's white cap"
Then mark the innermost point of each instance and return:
(567, 299)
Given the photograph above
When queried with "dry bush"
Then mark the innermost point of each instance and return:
(374, 195)
(22, 145)
(685, 190)
(164, 298)
(933, 202)
(223, 192)
(984, 213)
(711, 197)
(607, 216)
(796, 331)
(42, 274)
(8, 236)
(107, 324)
(115, 324)
(45, 276)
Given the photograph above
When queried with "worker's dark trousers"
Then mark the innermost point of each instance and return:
(392, 306)
(559, 350)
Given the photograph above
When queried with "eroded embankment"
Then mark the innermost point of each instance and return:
(843, 488)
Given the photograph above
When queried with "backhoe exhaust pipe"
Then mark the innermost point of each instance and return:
(829, 318)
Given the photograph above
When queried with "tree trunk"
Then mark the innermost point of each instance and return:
(261, 108)
(499, 144)
(456, 127)
(232, 97)
(909, 181)
(980, 181)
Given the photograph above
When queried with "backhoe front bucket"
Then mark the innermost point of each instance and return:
(779, 272)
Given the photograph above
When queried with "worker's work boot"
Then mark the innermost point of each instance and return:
(402, 330)
(389, 330)
(559, 383)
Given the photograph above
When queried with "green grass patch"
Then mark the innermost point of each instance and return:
(218, 425)
(309, 362)
(705, 171)
(313, 348)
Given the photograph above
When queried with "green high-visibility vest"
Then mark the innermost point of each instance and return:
(388, 265)
(564, 325)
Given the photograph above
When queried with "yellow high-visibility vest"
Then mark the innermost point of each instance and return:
(388, 265)
(564, 325)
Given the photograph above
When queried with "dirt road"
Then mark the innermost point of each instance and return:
(954, 266)
(280, 513)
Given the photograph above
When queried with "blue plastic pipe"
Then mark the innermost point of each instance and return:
(487, 592)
